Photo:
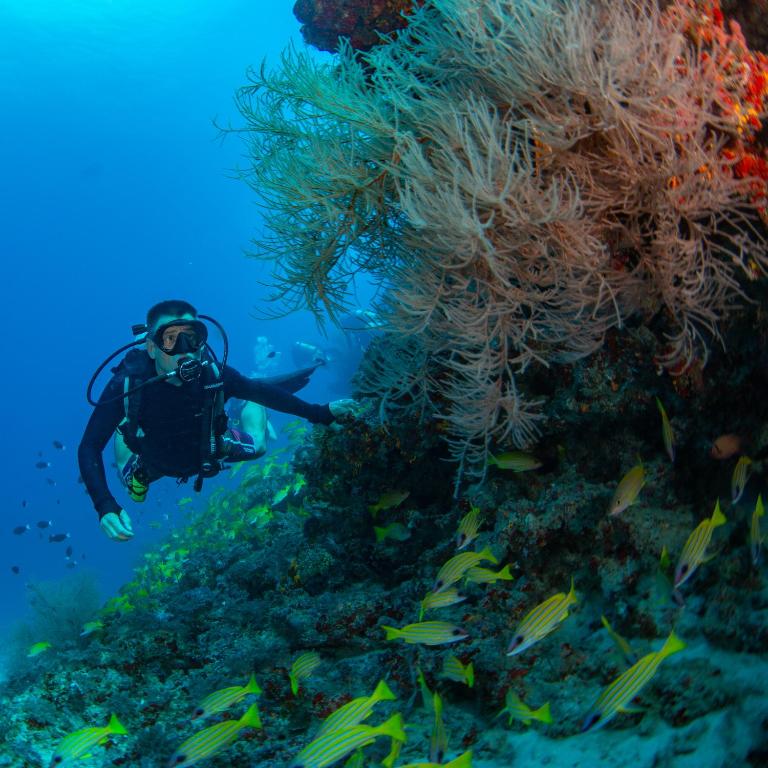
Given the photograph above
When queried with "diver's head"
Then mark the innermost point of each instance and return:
(174, 334)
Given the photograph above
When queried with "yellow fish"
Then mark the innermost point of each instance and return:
(480, 575)
(212, 740)
(625, 687)
(755, 536)
(628, 489)
(438, 740)
(440, 600)
(396, 531)
(542, 620)
(453, 669)
(621, 643)
(80, 742)
(427, 633)
(302, 668)
(666, 431)
(517, 709)
(517, 461)
(281, 494)
(38, 648)
(332, 746)
(225, 698)
(388, 500)
(468, 528)
(693, 554)
(741, 473)
(354, 712)
(454, 568)
(90, 627)
(462, 761)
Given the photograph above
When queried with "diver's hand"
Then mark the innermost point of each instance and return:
(344, 408)
(117, 527)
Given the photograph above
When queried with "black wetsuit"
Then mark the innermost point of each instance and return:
(170, 417)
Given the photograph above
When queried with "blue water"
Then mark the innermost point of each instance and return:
(116, 194)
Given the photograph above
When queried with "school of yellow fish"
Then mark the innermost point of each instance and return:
(344, 735)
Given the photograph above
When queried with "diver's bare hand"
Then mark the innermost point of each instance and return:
(117, 527)
(344, 409)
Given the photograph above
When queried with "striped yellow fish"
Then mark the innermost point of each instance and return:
(517, 461)
(440, 600)
(37, 648)
(621, 644)
(694, 551)
(755, 536)
(427, 633)
(81, 742)
(394, 753)
(468, 528)
(388, 500)
(280, 494)
(741, 473)
(625, 687)
(517, 709)
(664, 560)
(225, 698)
(90, 627)
(542, 620)
(396, 531)
(455, 568)
(357, 760)
(479, 575)
(302, 668)
(462, 761)
(212, 740)
(453, 669)
(332, 746)
(627, 490)
(438, 740)
(666, 432)
(426, 694)
(355, 711)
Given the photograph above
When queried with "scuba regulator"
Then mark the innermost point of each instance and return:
(177, 337)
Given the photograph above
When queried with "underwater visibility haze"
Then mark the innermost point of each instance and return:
(530, 239)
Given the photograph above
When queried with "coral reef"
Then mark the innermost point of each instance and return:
(362, 22)
(288, 563)
(750, 14)
(324, 22)
(520, 179)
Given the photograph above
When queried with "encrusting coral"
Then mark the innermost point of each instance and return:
(362, 22)
(520, 178)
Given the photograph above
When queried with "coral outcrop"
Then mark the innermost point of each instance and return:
(288, 563)
(521, 179)
(364, 23)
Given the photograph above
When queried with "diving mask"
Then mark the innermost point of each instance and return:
(180, 337)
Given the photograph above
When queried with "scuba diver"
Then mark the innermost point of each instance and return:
(165, 406)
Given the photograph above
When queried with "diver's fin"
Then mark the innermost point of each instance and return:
(292, 382)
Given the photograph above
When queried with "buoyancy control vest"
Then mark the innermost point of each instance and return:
(138, 368)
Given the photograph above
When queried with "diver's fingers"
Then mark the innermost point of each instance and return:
(125, 521)
(344, 407)
(112, 525)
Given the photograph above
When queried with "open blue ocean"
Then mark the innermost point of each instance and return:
(117, 193)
